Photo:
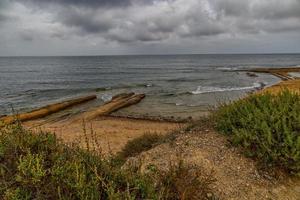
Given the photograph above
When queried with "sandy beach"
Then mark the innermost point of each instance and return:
(114, 132)
(237, 176)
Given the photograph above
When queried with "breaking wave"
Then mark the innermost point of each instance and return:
(208, 89)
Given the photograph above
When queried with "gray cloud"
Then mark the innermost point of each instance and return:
(88, 21)
(3, 17)
(161, 20)
(275, 10)
(85, 3)
(125, 23)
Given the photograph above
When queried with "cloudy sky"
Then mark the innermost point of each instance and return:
(101, 27)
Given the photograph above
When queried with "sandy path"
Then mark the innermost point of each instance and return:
(108, 134)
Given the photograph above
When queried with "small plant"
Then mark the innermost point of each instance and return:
(183, 182)
(140, 144)
(31, 169)
(267, 127)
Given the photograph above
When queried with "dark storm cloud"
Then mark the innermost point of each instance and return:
(87, 21)
(232, 7)
(3, 17)
(27, 36)
(146, 21)
(264, 9)
(87, 3)
(275, 10)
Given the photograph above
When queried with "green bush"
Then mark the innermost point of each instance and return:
(140, 144)
(267, 127)
(39, 166)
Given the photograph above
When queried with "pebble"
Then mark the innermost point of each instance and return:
(209, 195)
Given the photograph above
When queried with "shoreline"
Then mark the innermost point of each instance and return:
(283, 73)
(138, 124)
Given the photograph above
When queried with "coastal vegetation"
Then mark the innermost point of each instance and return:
(140, 144)
(266, 126)
(40, 166)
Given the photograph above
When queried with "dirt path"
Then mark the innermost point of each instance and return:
(108, 133)
(237, 177)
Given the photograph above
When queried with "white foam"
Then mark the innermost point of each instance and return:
(227, 68)
(208, 89)
(106, 97)
(149, 85)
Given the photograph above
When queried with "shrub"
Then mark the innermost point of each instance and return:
(267, 127)
(183, 182)
(140, 144)
(39, 166)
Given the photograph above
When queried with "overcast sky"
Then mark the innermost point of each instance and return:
(101, 27)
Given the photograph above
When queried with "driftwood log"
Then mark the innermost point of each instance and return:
(47, 110)
(119, 101)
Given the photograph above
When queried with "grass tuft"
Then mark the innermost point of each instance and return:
(182, 181)
(140, 144)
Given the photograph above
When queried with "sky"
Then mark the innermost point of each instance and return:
(121, 27)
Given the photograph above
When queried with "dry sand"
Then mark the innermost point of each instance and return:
(109, 134)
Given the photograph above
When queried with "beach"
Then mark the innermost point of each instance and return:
(172, 100)
(238, 177)
(149, 100)
(115, 130)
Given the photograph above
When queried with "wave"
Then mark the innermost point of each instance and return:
(208, 89)
(106, 97)
(139, 85)
(237, 68)
(229, 69)
(186, 79)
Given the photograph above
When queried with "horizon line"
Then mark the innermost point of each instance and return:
(179, 54)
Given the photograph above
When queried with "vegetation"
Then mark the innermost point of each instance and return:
(267, 127)
(39, 166)
(187, 183)
(140, 144)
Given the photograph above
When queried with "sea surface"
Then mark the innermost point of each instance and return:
(175, 85)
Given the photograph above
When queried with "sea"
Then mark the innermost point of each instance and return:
(175, 85)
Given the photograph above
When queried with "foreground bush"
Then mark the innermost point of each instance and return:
(38, 166)
(267, 126)
(140, 144)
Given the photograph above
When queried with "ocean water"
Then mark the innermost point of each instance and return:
(175, 85)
